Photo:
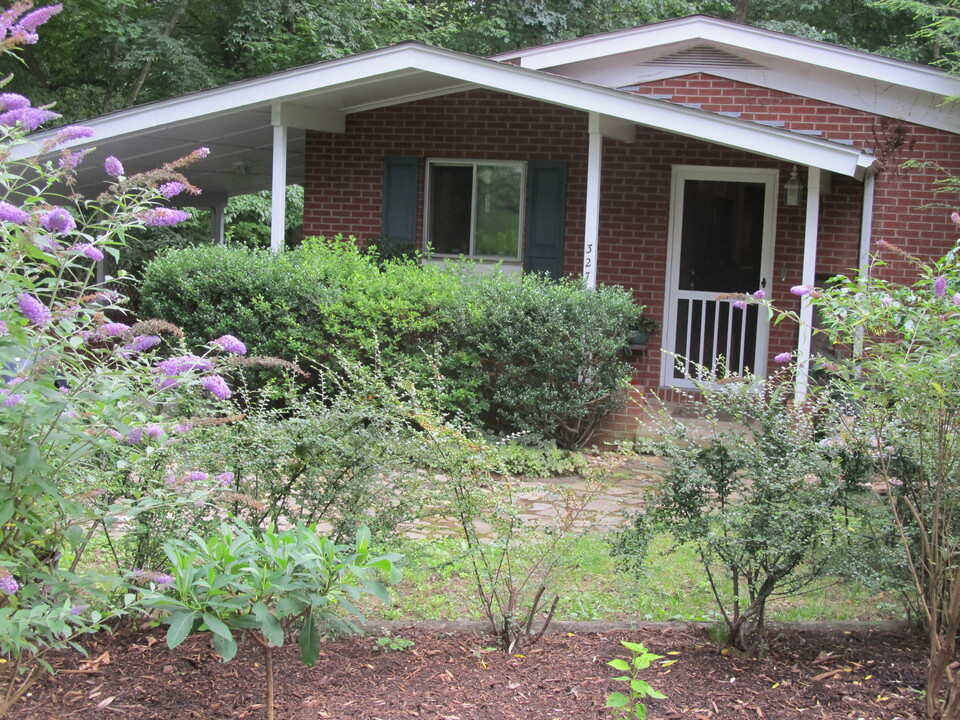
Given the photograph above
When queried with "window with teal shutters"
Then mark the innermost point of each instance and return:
(546, 209)
(398, 221)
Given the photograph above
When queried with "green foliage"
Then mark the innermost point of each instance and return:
(513, 355)
(900, 385)
(268, 582)
(632, 705)
(389, 642)
(532, 457)
(749, 487)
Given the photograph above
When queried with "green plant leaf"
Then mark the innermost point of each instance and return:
(181, 624)
(619, 664)
(217, 626)
(225, 647)
(309, 641)
(617, 700)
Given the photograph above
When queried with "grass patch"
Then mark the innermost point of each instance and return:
(671, 585)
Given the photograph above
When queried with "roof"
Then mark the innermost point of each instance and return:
(810, 68)
(235, 121)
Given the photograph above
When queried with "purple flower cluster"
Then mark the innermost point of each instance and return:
(113, 329)
(115, 434)
(154, 431)
(73, 132)
(225, 478)
(25, 31)
(12, 101)
(35, 311)
(139, 344)
(178, 365)
(29, 117)
(195, 476)
(135, 436)
(230, 344)
(14, 399)
(3, 329)
(12, 214)
(163, 217)
(940, 287)
(69, 160)
(783, 357)
(89, 250)
(740, 304)
(8, 584)
(182, 428)
(217, 386)
(801, 290)
(171, 189)
(113, 167)
(760, 294)
(58, 221)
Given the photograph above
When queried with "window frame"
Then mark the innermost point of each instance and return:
(474, 164)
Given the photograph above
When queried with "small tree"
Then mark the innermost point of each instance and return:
(748, 486)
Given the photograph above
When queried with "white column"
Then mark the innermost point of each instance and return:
(811, 229)
(592, 220)
(278, 187)
(866, 240)
(218, 223)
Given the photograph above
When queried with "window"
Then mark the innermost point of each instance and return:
(475, 208)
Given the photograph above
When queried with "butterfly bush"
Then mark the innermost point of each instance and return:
(79, 390)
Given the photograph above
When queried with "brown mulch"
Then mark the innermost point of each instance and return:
(822, 673)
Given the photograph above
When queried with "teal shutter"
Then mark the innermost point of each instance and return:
(398, 218)
(546, 209)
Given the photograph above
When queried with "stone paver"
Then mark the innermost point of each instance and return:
(544, 503)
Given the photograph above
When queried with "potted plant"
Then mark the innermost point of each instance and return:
(643, 328)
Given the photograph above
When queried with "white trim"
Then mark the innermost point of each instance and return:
(737, 36)
(310, 83)
(680, 173)
(474, 163)
(278, 189)
(591, 222)
(810, 233)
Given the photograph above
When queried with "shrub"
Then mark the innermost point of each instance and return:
(269, 583)
(525, 355)
(901, 410)
(750, 489)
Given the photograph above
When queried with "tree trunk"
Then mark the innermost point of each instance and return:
(148, 65)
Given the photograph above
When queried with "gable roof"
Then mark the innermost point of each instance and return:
(811, 68)
(236, 120)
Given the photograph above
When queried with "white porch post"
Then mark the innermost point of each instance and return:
(866, 240)
(592, 220)
(218, 222)
(809, 275)
(278, 185)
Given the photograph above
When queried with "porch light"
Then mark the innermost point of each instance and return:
(792, 188)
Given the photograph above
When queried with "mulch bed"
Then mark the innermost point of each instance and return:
(821, 673)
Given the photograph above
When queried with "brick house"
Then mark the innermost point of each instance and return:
(682, 160)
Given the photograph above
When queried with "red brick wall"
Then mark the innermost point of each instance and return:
(344, 173)
(344, 176)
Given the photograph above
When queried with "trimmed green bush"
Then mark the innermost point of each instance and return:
(512, 354)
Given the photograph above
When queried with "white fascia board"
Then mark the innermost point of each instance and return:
(731, 132)
(290, 85)
(401, 60)
(742, 37)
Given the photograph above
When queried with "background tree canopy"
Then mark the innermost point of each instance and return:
(104, 55)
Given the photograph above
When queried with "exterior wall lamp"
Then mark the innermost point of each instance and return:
(792, 188)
